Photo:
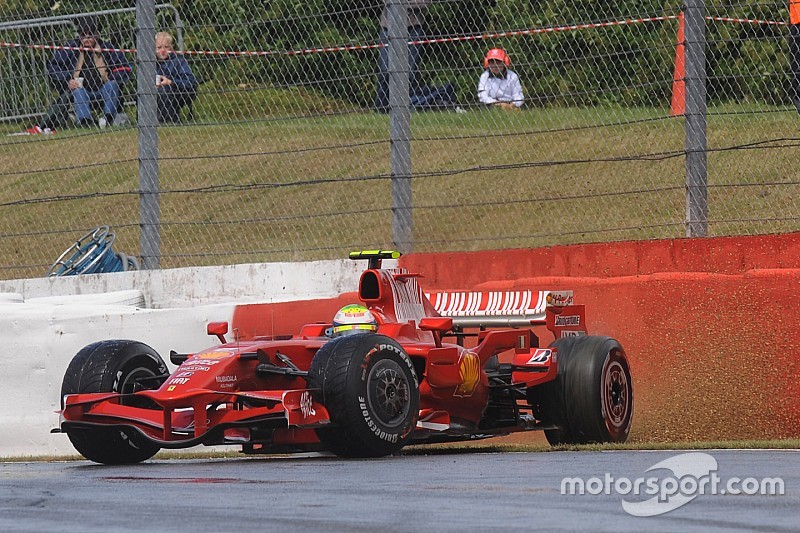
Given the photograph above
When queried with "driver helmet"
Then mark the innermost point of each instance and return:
(352, 319)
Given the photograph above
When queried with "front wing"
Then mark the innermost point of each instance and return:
(195, 417)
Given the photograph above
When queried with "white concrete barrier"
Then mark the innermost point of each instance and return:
(40, 339)
(196, 286)
(45, 322)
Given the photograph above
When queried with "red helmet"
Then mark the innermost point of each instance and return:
(496, 53)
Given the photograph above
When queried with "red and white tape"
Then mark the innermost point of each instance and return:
(749, 21)
(438, 40)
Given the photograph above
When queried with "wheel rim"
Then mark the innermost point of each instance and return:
(388, 393)
(616, 396)
(129, 382)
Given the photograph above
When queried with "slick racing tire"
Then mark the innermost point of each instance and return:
(120, 366)
(370, 389)
(591, 399)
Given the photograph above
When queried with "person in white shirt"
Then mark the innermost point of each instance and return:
(499, 86)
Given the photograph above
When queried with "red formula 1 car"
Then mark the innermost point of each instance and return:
(420, 378)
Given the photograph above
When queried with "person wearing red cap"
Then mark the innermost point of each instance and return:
(499, 86)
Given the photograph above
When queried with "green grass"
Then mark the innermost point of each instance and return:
(267, 175)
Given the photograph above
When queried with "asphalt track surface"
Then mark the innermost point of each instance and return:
(442, 492)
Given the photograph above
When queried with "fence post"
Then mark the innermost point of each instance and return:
(399, 124)
(696, 141)
(149, 202)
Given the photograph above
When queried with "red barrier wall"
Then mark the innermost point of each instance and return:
(711, 326)
(286, 318)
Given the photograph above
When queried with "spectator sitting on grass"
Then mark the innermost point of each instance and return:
(416, 32)
(86, 71)
(177, 86)
(499, 86)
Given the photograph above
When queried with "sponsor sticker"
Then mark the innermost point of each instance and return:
(540, 357)
(203, 363)
(213, 355)
(568, 320)
(559, 298)
(188, 369)
(469, 369)
(307, 405)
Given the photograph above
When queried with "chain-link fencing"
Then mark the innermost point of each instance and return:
(312, 128)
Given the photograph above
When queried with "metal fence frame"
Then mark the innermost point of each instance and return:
(40, 85)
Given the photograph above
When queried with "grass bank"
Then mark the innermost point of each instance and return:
(286, 175)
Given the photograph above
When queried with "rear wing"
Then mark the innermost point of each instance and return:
(512, 309)
(395, 294)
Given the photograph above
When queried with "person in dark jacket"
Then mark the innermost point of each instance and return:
(86, 71)
(416, 32)
(177, 85)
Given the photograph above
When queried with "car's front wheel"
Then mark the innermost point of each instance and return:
(120, 366)
(369, 386)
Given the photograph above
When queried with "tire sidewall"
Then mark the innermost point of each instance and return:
(376, 350)
(340, 376)
(554, 397)
(578, 405)
(129, 357)
(137, 365)
(134, 358)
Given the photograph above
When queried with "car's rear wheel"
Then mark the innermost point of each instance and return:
(120, 366)
(368, 385)
(591, 399)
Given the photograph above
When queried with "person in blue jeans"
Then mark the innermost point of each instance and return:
(87, 71)
(177, 85)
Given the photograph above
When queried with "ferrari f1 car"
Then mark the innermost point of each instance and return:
(472, 369)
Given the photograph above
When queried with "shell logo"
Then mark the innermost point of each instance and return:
(469, 368)
(213, 355)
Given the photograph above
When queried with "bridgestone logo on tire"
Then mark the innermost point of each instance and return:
(571, 320)
(388, 437)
